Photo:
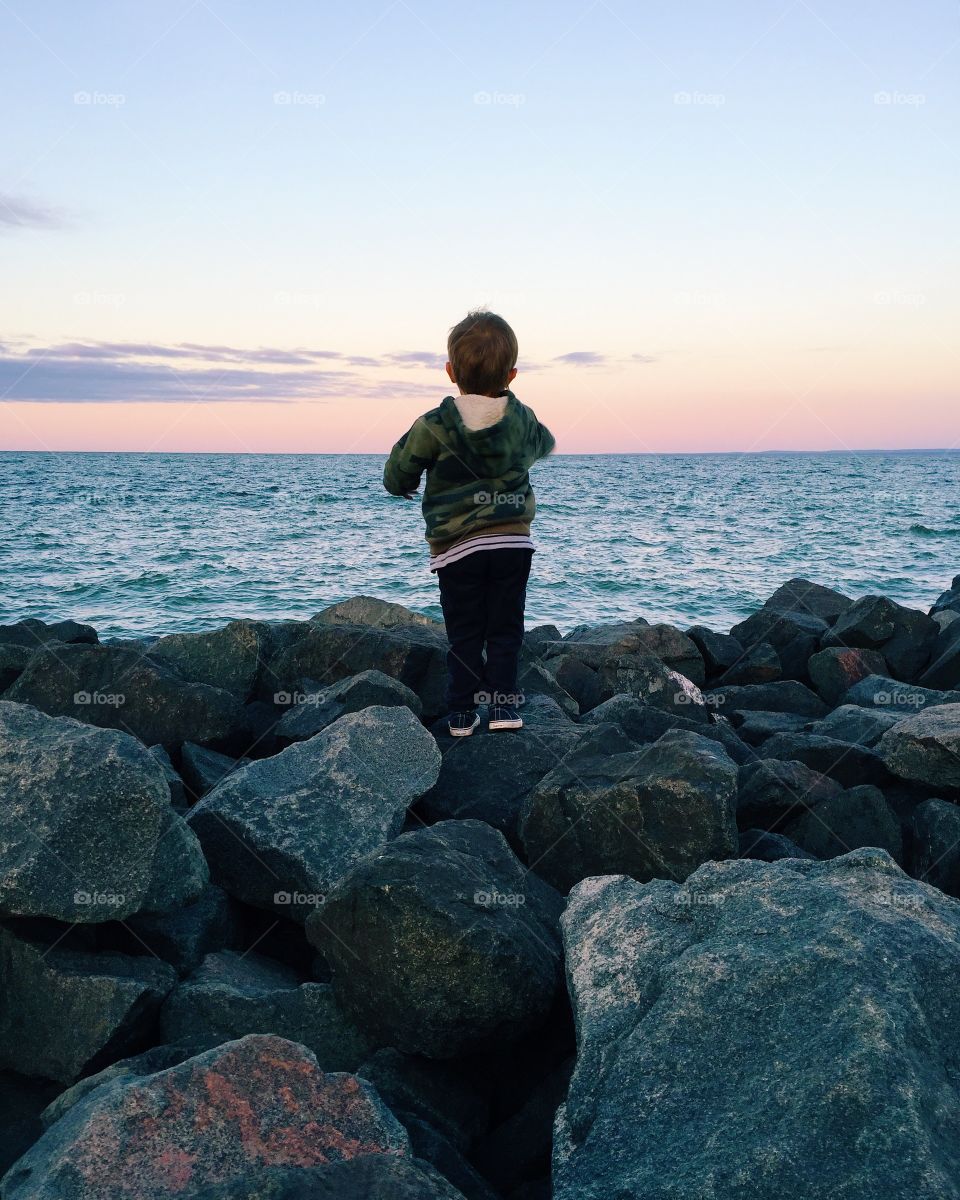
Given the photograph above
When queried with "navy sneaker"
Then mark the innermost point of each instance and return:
(462, 724)
(503, 716)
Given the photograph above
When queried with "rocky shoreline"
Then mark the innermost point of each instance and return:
(267, 932)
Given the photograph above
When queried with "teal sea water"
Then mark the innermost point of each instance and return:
(152, 543)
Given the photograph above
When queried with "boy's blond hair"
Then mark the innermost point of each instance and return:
(482, 350)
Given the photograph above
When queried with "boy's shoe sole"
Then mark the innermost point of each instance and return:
(465, 732)
(507, 723)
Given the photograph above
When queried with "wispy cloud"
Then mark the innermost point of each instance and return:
(18, 212)
(582, 358)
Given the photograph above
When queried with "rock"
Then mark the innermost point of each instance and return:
(759, 663)
(945, 618)
(148, 1062)
(64, 1013)
(178, 796)
(847, 762)
(203, 769)
(372, 1177)
(87, 833)
(944, 668)
(835, 670)
(643, 724)
(535, 680)
(848, 821)
(719, 651)
(378, 614)
(783, 695)
(926, 748)
(238, 1109)
(13, 659)
(435, 1092)
(904, 635)
(519, 1148)
(755, 726)
(659, 810)
(315, 712)
(775, 1030)
(935, 845)
(486, 777)
(119, 688)
(778, 628)
(183, 937)
(441, 943)
(22, 1101)
(230, 995)
(769, 847)
(576, 679)
(946, 602)
(771, 791)
(802, 596)
(539, 634)
(227, 658)
(429, 1145)
(33, 633)
(414, 654)
(795, 656)
(279, 832)
(675, 649)
(879, 691)
(851, 723)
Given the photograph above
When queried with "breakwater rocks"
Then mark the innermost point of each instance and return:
(267, 932)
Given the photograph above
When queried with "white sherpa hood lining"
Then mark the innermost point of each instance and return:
(479, 412)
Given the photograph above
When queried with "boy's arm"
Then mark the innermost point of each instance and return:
(409, 458)
(540, 440)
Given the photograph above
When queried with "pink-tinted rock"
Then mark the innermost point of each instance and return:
(255, 1103)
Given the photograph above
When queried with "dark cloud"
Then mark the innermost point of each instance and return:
(17, 212)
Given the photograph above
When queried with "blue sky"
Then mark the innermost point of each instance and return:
(692, 214)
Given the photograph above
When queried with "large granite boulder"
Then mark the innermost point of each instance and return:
(117, 687)
(227, 658)
(64, 1013)
(33, 633)
(836, 669)
(905, 636)
(378, 614)
(948, 601)
(934, 844)
(849, 820)
(87, 833)
(782, 695)
(230, 995)
(891, 695)
(441, 943)
(926, 748)
(226, 1114)
(372, 1177)
(847, 762)
(327, 653)
(853, 723)
(314, 711)
(802, 596)
(719, 651)
(771, 790)
(13, 660)
(943, 670)
(279, 832)
(770, 1031)
(654, 811)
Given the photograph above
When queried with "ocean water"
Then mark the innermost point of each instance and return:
(154, 543)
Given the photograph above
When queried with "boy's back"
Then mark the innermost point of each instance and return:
(477, 449)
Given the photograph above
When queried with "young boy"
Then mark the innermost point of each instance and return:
(476, 449)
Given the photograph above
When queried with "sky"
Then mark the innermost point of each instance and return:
(235, 226)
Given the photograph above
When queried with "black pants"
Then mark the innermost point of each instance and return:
(482, 597)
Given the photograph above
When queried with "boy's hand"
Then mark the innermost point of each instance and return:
(411, 495)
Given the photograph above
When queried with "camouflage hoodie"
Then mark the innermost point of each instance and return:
(477, 479)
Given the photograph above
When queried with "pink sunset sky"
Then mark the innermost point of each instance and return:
(225, 228)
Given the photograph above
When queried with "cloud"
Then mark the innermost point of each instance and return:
(642, 358)
(417, 358)
(17, 212)
(582, 358)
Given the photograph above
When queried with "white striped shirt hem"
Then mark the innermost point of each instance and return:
(491, 541)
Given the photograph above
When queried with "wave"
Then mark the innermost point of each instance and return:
(926, 531)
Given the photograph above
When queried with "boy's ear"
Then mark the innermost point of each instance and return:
(512, 376)
(450, 373)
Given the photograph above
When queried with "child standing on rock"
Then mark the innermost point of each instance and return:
(477, 449)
